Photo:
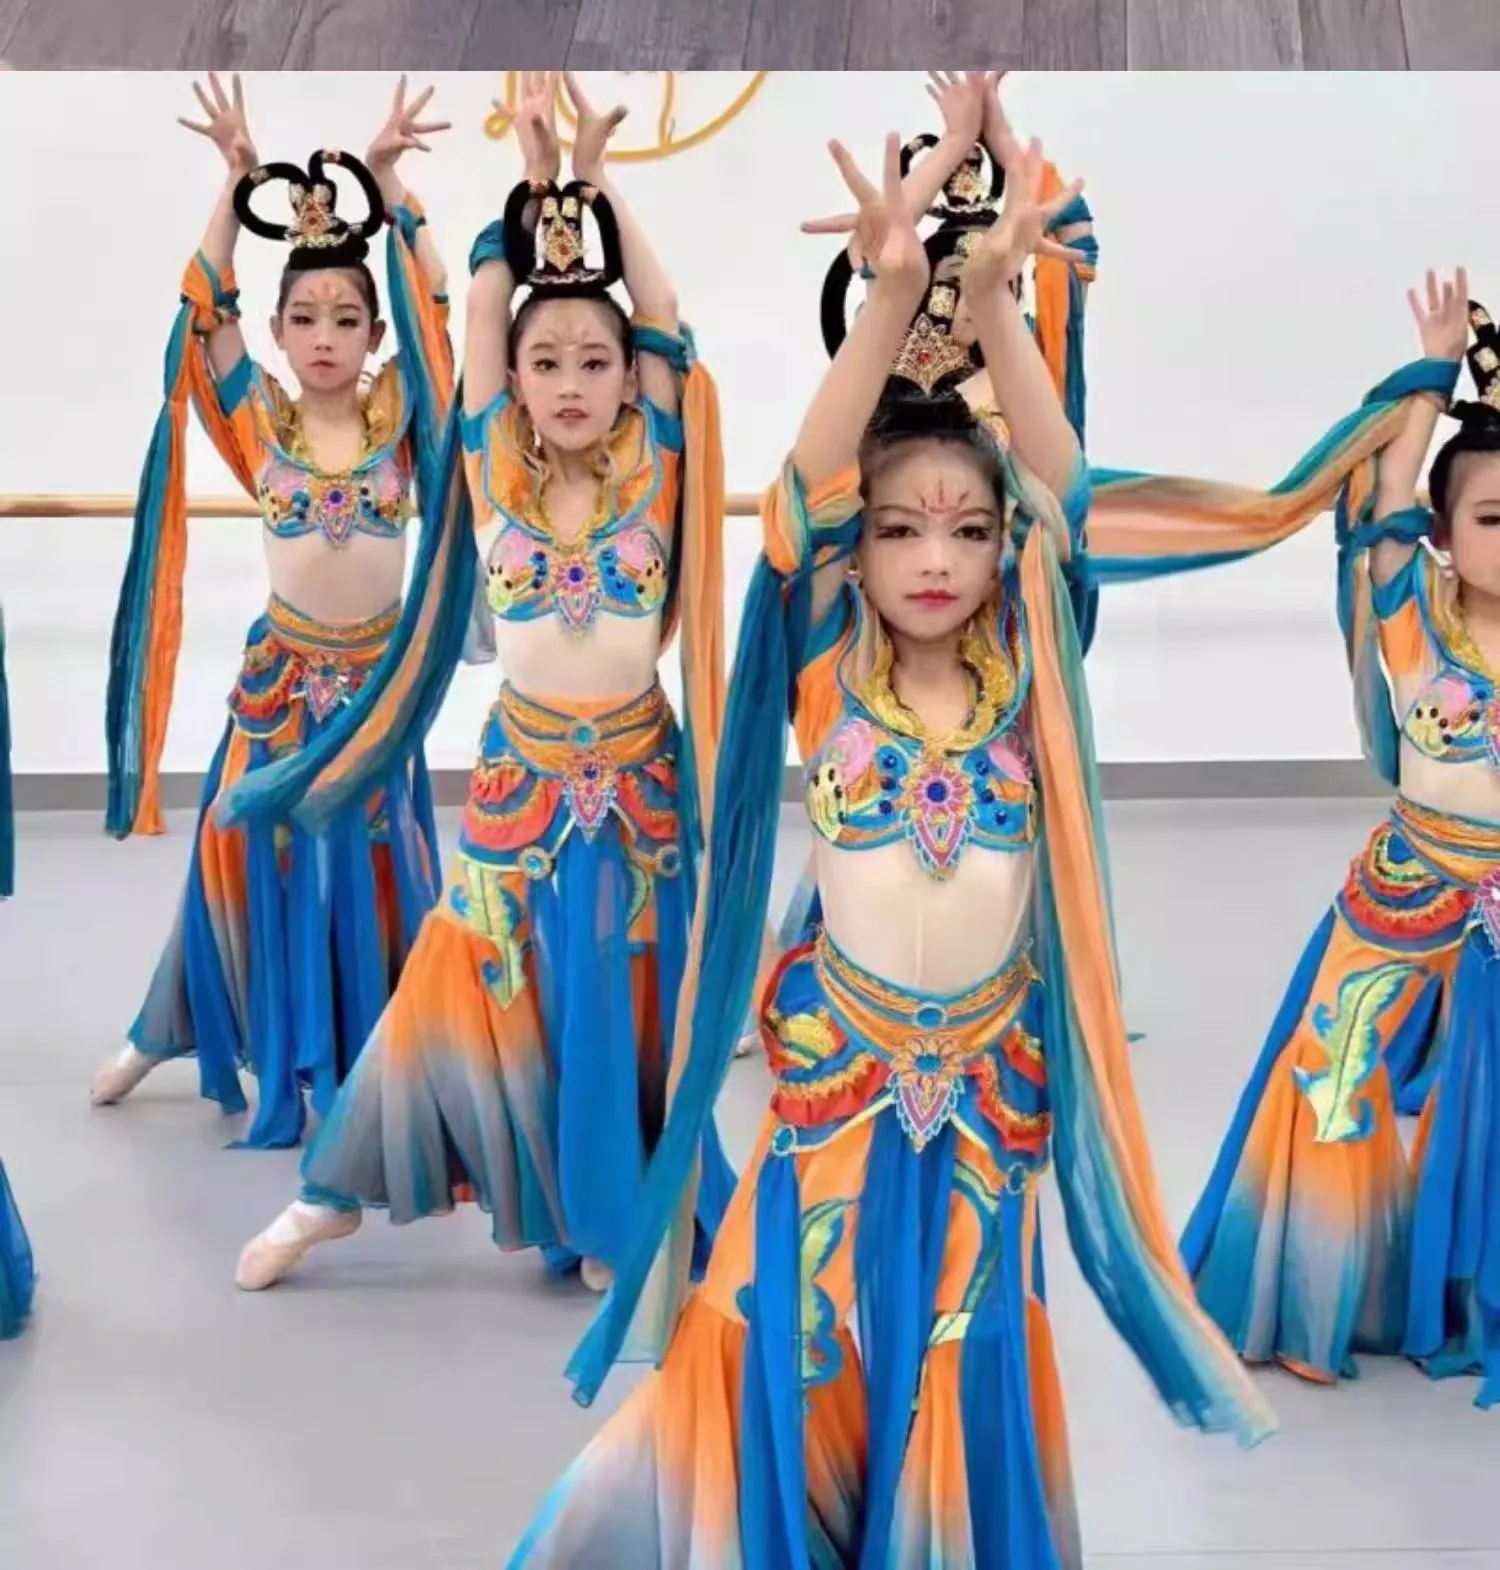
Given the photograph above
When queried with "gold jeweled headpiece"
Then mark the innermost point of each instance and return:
(318, 236)
(929, 356)
(972, 193)
(1484, 356)
(556, 245)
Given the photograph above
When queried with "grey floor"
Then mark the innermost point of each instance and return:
(427, 35)
(401, 1407)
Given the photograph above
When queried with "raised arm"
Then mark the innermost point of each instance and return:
(653, 300)
(405, 131)
(961, 102)
(834, 425)
(1024, 390)
(1007, 149)
(227, 128)
(492, 280)
(1442, 318)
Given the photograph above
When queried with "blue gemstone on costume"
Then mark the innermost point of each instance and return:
(986, 795)
(887, 783)
(937, 792)
(930, 1015)
(887, 808)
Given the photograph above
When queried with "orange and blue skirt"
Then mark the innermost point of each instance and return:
(287, 945)
(865, 1376)
(522, 1063)
(1317, 1237)
(17, 1269)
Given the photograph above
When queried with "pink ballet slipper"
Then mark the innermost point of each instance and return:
(119, 1077)
(266, 1258)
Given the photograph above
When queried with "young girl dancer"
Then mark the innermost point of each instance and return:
(1316, 1238)
(953, 1025)
(522, 1062)
(958, 179)
(287, 944)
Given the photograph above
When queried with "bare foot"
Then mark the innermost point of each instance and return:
(266, 1258)
(120, 1076)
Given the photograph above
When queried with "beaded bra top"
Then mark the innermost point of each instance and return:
(1455, 717)
(881, 778)
(620, 563)
(372, 497)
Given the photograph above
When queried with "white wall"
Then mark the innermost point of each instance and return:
(1258, 233)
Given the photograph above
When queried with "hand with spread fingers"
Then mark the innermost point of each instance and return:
(1442, 318)
(591, 140)
(1020, 231)
(535, 123)
(403, 131)
(226, 126)
(885, 229)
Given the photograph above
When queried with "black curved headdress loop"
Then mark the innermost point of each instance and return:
(318, 236)
(968, 194)
(1479, 418)
(929, 359)
(559, 265)
(1483, 356)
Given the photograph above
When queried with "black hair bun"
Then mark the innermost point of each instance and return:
(551, 258)
(905, 412)
(319, 237)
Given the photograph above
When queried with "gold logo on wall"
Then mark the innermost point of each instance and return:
(670, 111)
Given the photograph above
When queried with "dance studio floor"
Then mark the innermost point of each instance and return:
(400, 1406)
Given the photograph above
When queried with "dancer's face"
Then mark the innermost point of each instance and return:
(929, 555)
(1474, 520)
(326, 330)
(571, 373)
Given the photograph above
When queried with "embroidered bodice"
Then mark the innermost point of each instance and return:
(1450, 710)
(620, 564)
(297, 497)
(878, 778)
(617, 567)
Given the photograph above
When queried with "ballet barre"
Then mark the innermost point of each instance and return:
(123, 506)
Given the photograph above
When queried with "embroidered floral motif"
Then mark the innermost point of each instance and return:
(927, 1074)
(937, 804)
(589, 780)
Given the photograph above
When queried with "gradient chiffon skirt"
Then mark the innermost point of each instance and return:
(522, 1063)
(287, 945)
(864, 1379)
